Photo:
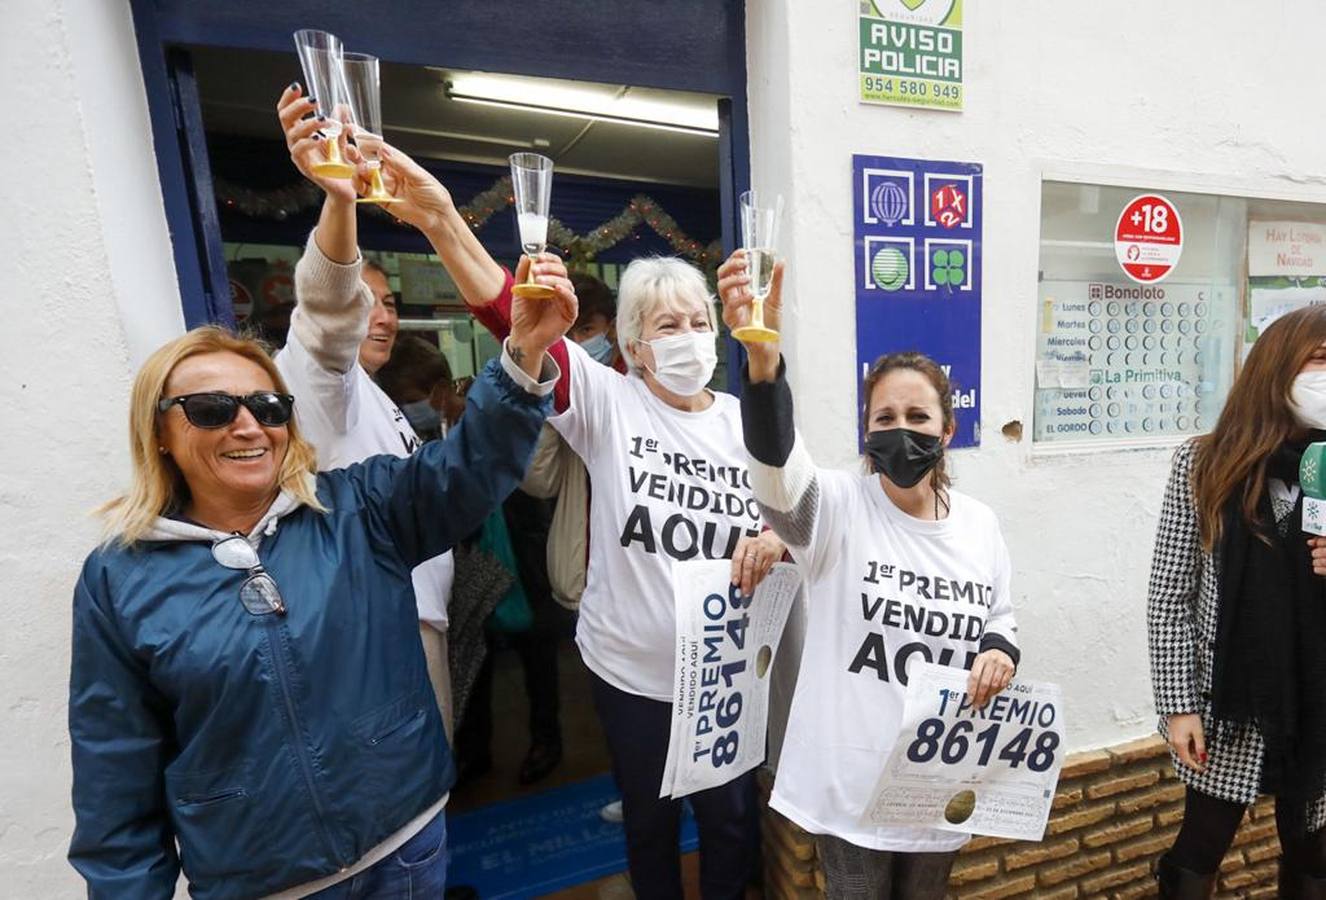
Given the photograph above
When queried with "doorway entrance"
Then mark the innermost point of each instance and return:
(661, 179)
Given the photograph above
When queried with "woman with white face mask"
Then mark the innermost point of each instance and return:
(666, 461)
(1237, 619)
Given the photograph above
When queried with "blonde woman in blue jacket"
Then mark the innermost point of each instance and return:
(247, 680)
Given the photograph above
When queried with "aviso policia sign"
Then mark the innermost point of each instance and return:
(911, 52)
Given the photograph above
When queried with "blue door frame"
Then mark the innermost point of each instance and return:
(693, 45)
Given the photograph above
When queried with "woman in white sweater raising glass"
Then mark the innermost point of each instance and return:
(874, 548)
(669, 480)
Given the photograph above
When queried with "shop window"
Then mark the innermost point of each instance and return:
(1123, 362)
(262, 292)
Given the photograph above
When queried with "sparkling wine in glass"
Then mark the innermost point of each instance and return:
(533, 232)
(760, 262)
(531, 183)
(364, 91)
(320, 55)
(759, 238)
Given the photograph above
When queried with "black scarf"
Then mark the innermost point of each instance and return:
(1270, 652)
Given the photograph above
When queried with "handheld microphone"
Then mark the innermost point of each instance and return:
(1312, 481)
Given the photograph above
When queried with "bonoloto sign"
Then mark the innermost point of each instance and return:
(1148, 238)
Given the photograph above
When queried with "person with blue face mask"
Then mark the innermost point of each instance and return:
(417, 378)
(600, 347)
(555, 473)
(596, 328)
(670, 483)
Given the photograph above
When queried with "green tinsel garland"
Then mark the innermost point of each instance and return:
(281, 203)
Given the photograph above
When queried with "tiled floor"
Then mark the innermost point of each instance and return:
(618, 887)
(584, 755)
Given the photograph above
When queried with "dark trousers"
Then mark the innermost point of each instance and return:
(527, 520)
(856, 873)
(538, 658)
(638, 729)
(1209, 825)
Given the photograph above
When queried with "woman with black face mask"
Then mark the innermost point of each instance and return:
(898, 567)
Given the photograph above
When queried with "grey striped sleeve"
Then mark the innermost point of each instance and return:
(788, 495)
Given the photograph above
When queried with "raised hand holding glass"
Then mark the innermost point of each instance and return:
(759, 237)
(320, 55)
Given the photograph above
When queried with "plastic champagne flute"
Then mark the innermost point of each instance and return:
(363, 84)
(759, 237)
(531, 182)
(320, 55)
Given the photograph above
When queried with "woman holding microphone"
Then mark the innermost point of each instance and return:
(848, 531)
(1237, 619)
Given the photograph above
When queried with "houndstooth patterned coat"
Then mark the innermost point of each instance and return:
(1183, 605)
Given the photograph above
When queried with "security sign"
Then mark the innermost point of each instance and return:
(1148, 238)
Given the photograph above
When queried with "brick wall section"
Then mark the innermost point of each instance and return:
(1115, 812)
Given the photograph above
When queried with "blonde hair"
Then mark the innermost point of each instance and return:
(157, 485)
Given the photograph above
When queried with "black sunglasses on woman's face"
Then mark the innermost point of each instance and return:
(217, 410)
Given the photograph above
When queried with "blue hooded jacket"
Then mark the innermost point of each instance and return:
(276, 749)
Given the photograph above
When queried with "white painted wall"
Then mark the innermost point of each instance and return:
(1187, 94)
(103, 50)
(82, 241)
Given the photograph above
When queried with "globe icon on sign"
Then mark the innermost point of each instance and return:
(888, 201)
(889, 268)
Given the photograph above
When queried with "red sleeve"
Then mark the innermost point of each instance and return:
(496, 317)
(562, 392)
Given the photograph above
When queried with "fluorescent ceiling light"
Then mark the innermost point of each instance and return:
(578, 114)
(603, 103)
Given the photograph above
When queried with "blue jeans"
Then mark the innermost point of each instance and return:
(417, 871)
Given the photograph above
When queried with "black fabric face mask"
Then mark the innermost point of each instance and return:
(903, 455)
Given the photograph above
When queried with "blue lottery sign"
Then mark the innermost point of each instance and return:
(917, 229)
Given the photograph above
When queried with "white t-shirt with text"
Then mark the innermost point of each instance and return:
(668, 485)
(883, 589)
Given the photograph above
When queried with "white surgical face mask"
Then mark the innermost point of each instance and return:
(684, 363)
(1308, 399)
